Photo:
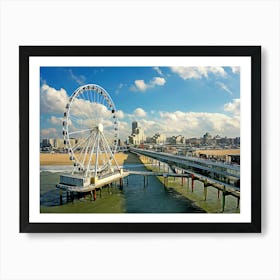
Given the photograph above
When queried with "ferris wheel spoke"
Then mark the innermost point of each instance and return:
(83, 154)
(80, 144)
(106, 153)
(81, 123)
(80, 155)
(109, 149)
(82, 113)
(79, 131)
(91, 98)
(91, 154)
(90, 143)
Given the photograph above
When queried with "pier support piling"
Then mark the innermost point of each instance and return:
(224, 199)
(60, 197)
(205, 189)
(192, 176)
(165, 181)
(121, 184)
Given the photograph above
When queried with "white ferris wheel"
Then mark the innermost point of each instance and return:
(91, 130)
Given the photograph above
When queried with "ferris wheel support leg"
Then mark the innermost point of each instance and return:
(91, 152)
(85, 149)
(109, 149)
(96, 157)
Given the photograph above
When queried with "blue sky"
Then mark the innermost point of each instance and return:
(171, 100)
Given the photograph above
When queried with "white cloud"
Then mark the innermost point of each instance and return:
(140, 85)
(198, 72)
(78, 79)
(157, 69)
(224, 87)
(233, 107)
(120, 114)
(120, 86)
(49, 132)
(157, 81)
(235, 69)
(139, 112)
(195, 124)
(56, 121)
(191, 124)
(124, 130)
(52, 100)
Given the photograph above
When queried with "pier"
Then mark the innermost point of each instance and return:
(224, 178)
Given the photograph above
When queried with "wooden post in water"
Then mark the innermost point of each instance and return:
(192, 176)
(91, 194)
(238, 202)
(164, 180)
(100, 192)
(94, 194)
(205, 189)
(121, 184)
(224, 199)
(218, 194)
(60, 197)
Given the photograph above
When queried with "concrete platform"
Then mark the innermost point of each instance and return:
(97, 183)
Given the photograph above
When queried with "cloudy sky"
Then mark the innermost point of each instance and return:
(171, 100)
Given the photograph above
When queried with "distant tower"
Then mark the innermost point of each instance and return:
(134, 127)
(137, 136)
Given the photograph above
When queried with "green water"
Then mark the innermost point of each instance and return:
(110, 200)
(134, 197)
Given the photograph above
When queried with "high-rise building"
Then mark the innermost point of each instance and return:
(134, 127)
(137, 136)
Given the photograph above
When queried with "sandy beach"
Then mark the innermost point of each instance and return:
(63, 159)
(218, 152)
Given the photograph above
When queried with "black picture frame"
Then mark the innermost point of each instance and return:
(254, 52)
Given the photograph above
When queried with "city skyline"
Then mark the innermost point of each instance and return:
(186, 101)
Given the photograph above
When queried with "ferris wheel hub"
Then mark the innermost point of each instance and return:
(100, 127)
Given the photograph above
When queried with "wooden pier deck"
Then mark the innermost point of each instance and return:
(163, 174)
